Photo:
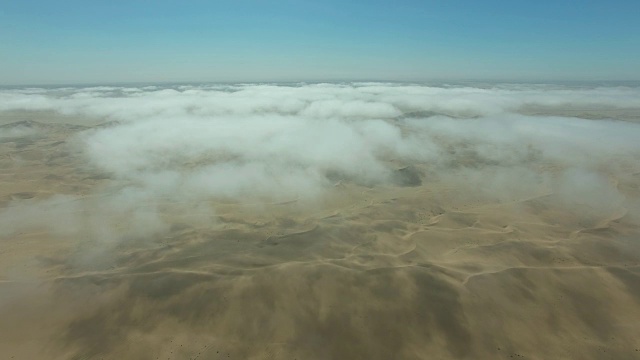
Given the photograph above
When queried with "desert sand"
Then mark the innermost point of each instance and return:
(418, 267)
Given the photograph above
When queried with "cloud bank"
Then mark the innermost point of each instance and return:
(251, 143)
(312, 101)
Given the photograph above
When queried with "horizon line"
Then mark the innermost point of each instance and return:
(439, 81)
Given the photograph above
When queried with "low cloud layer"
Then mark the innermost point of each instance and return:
(360, 101)
(247, 143)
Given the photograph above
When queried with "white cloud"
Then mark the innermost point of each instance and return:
(194, 143)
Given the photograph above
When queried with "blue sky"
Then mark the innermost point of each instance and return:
(48, 42)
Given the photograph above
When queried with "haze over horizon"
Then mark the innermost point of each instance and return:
(46, 42)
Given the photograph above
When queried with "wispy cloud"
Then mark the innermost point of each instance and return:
(189, 144)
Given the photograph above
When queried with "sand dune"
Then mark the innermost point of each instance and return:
(454, 258)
